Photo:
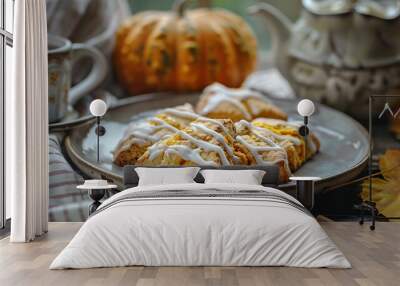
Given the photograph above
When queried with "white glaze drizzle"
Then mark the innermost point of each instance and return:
(181, 113)
(214, 101)
(273, 121)
(255, 150)
(193, 154)
(233, 96)
(163, 124)
(155, 150)
(311, 146)
(139, 134)
(190, 155)
(280, 137)
(144, 132)
(219, 138)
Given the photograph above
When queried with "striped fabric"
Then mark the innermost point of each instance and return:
(67, 203)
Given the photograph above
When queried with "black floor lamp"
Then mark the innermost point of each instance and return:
(369, 205)
(306, 109)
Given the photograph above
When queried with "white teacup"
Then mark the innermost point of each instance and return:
(62, 55)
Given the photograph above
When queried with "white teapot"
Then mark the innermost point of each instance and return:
(339, 52)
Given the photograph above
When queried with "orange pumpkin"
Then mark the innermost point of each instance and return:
(183, 50)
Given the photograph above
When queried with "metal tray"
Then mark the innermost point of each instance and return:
(343, 154)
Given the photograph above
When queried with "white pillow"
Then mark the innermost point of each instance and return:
(164, 176)
(246, 177)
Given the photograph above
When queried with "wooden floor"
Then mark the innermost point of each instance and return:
(375, 257)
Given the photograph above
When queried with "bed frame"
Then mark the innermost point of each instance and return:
(271, 178)
(131, 179)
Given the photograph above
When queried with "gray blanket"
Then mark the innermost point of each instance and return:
(203, 194)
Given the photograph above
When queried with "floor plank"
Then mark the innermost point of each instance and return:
(375, 257)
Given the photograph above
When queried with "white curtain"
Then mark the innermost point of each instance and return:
(27, 124)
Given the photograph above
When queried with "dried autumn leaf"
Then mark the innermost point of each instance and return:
(389, 164)
(386, 191)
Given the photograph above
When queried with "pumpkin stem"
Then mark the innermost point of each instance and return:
(180, 5)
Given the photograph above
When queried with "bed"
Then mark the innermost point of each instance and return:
(197, 224)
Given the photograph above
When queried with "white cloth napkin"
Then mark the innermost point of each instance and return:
(271, 83)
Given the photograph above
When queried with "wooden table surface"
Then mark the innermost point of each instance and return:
(375, 257)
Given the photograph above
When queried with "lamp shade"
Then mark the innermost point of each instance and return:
(305, 107)
(98, 107)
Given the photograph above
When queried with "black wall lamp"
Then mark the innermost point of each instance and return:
(98, 108)
(305, 108)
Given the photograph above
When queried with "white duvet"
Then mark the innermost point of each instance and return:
(204, 231)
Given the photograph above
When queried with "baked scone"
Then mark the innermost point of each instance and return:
(205, 142)
(142, 134)
(287, 135)
(261, 148)
(218, 101)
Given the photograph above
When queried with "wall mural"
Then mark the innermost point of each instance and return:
(191, 85)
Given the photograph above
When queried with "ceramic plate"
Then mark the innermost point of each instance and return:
(343, 154)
